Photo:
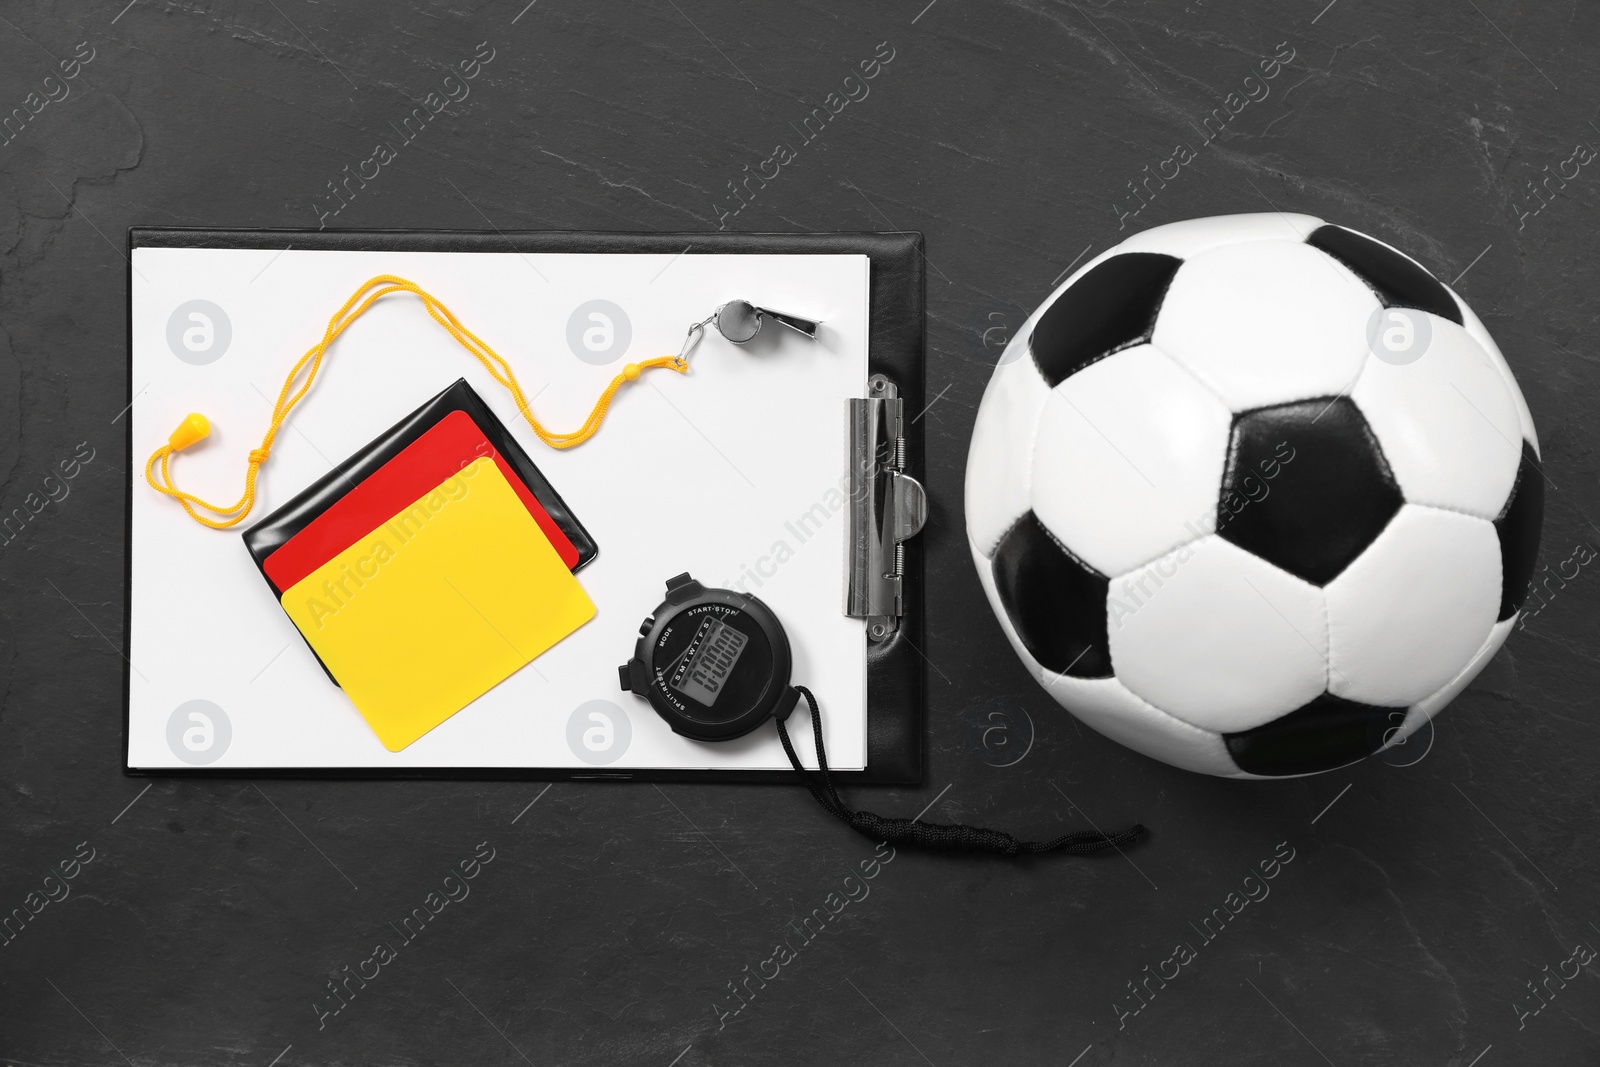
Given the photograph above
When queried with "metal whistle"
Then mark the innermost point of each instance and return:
(740, 321)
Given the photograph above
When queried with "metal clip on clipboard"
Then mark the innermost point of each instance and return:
(886, 506)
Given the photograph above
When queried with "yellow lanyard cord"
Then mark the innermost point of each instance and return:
(195, 427)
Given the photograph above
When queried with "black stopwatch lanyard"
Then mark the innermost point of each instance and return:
(948, 837)
(724, 670)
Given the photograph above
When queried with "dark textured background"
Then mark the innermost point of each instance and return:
(613, 918)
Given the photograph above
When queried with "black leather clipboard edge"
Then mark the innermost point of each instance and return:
(895, 680)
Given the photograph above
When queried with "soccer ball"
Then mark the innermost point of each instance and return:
(1254, 495)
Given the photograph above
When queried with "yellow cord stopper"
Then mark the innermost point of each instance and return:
(194, 427)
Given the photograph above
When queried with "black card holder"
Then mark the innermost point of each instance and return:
(270, 534)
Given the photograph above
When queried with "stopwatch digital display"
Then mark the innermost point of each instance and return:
(708, 662)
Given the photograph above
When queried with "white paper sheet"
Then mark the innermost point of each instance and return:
(732, 472)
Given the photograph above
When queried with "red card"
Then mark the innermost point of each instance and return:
(445, 448)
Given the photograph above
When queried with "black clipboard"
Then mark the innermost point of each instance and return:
(895, 676)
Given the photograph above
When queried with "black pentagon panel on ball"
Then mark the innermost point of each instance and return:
(1110, 308)
(1519, 526)
(1306, 487)
(1056, 603)
(1397, 280)
(1329, 732)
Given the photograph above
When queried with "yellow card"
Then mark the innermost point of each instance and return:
(438, 605)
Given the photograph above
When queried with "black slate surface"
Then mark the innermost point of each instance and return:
(1420, 904)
